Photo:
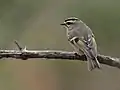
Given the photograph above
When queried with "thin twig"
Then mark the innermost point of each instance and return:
(17, 44)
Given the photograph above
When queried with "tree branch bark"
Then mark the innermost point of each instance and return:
(25, 54)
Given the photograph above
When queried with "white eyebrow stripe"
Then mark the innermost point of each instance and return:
(70, 21)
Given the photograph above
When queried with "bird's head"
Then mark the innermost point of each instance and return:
(70, 22)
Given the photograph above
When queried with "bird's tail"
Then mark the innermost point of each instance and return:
(93, 63)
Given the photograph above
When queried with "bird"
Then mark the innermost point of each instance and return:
(82, 40)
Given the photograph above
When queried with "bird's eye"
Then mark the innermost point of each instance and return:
(69, 23)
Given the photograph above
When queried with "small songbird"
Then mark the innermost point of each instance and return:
(83, 41)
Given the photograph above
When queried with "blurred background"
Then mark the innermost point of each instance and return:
(36, 24)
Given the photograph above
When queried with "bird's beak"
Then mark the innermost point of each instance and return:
(63, 24)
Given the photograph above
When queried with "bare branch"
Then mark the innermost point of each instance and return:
(54, 54)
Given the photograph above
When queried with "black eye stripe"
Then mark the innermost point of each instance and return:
(68, 23)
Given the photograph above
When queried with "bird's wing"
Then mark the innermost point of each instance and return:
(86, 44)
